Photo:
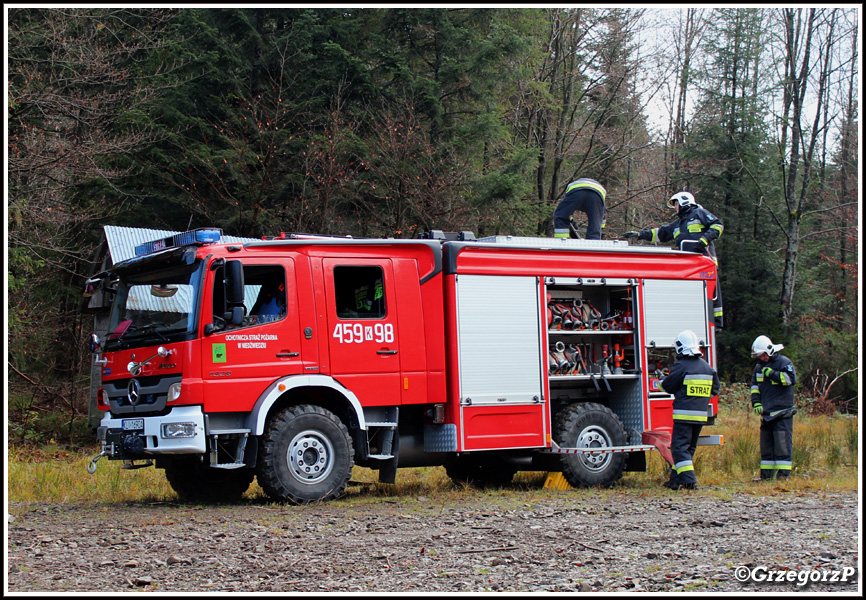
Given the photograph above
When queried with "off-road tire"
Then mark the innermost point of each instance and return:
(590, 425)
(194, 481)
(479, 470)
(305, 455)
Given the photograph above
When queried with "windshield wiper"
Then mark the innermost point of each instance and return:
(135, 331)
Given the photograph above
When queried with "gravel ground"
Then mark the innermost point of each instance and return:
(499, 541)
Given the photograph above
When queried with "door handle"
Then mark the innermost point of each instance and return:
(386, 352)
(287, 354)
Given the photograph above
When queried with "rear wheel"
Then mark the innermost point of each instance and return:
(305, 456)
(195, 481)
(479, 470)
(590, 425)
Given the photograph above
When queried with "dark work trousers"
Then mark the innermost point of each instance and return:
(585, 200)
(777, 447)
(684, 442)
(718, 314)
(698, 246)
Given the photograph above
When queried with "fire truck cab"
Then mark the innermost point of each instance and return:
(295, 358)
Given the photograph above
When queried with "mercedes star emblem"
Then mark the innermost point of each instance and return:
(132, 392)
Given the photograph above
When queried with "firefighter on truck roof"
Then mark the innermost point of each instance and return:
(585, 195)
(694, 229)
(692, 381)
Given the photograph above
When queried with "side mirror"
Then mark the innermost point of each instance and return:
(96, 348)
(234, 282)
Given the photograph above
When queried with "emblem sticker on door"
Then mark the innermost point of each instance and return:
(219, 353)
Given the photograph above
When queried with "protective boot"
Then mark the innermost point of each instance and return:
(671, 483)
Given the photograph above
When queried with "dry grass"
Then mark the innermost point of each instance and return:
(825, 459)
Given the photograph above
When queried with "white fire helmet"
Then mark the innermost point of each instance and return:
(762, 345)
(687, 344)
(681, 200)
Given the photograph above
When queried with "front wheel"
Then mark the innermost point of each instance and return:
(590, 425)
(305, 456)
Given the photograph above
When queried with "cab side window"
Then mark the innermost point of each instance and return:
(264, 294)
(360, 292)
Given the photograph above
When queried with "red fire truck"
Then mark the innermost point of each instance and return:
(292, 359)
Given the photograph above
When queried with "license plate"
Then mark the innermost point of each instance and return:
(133, 424)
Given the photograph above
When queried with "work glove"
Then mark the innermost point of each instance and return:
(759, 410)
(767, 371)
(631, 234)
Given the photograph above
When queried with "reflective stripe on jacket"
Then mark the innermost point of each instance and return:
(776, 391)
(585, 182)
(692, 381)
(692, 224)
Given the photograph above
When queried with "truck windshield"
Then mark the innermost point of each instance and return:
(155, 307)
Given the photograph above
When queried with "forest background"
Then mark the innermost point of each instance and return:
(392, 121)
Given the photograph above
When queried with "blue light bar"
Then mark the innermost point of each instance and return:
(188, 238)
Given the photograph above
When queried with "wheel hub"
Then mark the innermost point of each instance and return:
(594, 437)
(310, 457)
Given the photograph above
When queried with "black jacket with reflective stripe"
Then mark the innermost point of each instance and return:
(776, 391)
(692, 223)
(693, 382)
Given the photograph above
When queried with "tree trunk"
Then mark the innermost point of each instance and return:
(796, 84)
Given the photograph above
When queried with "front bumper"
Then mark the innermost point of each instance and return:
(146, 436)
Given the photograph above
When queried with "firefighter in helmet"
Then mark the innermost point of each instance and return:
(692, 381)
(694, 229)
(585, 195)
(772, 394)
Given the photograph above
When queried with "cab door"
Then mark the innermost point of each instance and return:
(241, 361)
(363, 335)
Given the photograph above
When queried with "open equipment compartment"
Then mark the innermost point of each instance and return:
(591, 350)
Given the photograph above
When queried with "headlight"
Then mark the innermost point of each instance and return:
(173, 392)
(178, 430)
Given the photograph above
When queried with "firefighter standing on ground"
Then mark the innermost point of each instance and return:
(772, 394)
(694, 229)
(692, 381)
(588, 196)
